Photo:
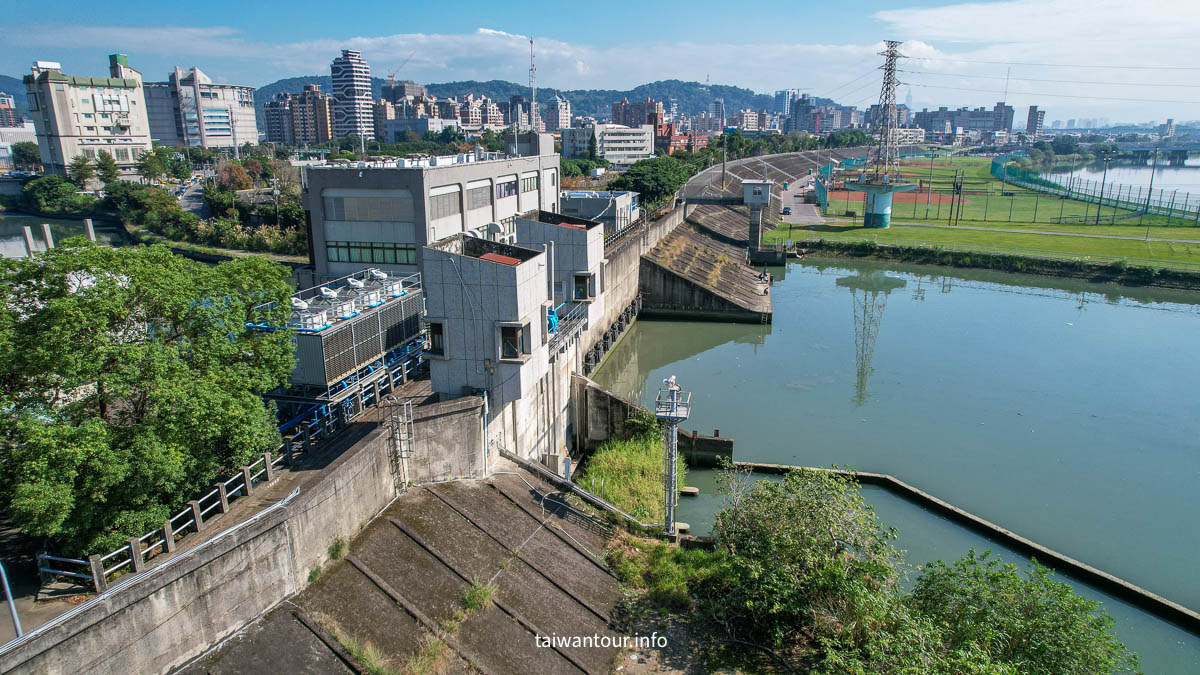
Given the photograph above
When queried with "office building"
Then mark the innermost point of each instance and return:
(81, 115)
(396, 92)
(394, 130)
(717, 110)
(190, 110)
(746, 120)
(907, 135)
(1167, 130)
(277, 119)
(1034, 122)
(616, 143)
(982, 120)
(352, 110)
(560, 114)
(1002, 116)
(382, 110)
(637, 113)
(381, 214)
(312, 116)
(783, 101)
(9, 117)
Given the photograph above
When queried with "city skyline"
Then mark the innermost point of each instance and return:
(1059, 55)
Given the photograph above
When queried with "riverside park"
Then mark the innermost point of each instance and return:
(989, 213)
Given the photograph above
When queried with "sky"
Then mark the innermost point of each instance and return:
(1115, 59)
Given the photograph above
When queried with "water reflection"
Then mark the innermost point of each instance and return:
(869, 290)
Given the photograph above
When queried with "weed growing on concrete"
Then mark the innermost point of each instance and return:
(428, 656)
(369, 657)
(478, 595)
(314, 575)
(337, 550)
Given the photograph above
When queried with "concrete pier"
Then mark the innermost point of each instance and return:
(877, 209)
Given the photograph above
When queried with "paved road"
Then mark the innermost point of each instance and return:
(1056, 234)
(192, 200)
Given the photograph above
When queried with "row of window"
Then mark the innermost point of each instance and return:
(371, 252)
(119, 154)
(514, 340)
(529, 184)
(479, 197)
(442, 206)
(368, 208)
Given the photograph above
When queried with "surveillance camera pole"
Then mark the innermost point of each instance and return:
(672, 406)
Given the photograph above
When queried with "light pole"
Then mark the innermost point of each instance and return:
(1107, 158)
(1153, 170)
(672, 406)
(929, 194)
(12, 608)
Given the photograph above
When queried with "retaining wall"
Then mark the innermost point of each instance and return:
(163, 617)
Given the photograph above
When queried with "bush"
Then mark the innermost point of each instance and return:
(55, 194)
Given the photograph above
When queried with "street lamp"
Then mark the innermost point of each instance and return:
(672, 407)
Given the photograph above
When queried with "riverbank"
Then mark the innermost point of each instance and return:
(1084, 268)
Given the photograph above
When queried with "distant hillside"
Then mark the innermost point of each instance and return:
(693, 97)
(14, 86)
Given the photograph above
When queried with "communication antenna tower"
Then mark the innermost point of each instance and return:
(534, 117)
(672, 406)
(887, 163)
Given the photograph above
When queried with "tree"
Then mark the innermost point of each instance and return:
(1033, 622)
(129, 383)
(151, 166)
(180, 169)
(54, 193)
(231, 176)
(591, 150)
(106, 168)
(655, 178)
(26, 155)
(80, 171)
(254, 169)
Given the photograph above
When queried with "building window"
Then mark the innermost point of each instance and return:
(122, 154)
(512, 342)
(506, 189)
(367, 208)
(90, 153)
(442, 206)
(584, 288)
(384, 253)
(437, 338)
(529, 184)
(479, 197)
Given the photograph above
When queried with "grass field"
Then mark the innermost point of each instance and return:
(987, 200)
(1165, 253)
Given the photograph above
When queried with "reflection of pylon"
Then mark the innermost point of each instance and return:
(869, 292)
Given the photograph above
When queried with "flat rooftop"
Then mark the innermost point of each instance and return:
(552, 218)
(491, 251)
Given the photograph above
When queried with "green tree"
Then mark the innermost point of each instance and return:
(54, 194)
(26, 155)
(80, 171)
(106, 168)
(180, 169)
(129, 383)
(1034, 622)
(591, 150)
(655, 178)
(151, 166)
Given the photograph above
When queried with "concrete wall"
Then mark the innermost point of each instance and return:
(173, 612)
(670, 295)
(704, 451)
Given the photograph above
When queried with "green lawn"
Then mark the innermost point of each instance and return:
(1065, 246)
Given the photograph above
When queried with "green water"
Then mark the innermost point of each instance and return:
(1063, 411)
(12, 238)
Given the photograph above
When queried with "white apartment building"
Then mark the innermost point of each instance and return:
(189, 109)
(353, 112)
(617, 143)
(79, 115)
(908, 135)
(560, 114)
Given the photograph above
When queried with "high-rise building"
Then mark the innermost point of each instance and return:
(1034, 122)
(9, 117)
(352, 102)
(717, 110)
(783, 101)
(396, 91)
(637, 113)
(80, 115)
(1167, 130)
(1003, 117)
(560, 113)
(312, 116)
(1071, 123)
(382, 110)
(617, 143)
(189, 109)
(517, 111)
(277, 118)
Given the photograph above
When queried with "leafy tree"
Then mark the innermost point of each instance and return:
(655, 178)
(129, 383)
(180, 169)
(591, 149)
(1034, 622)
(254, 169)
(151, 166)
(231, 176)
(106, 168)
(54, 194)
(80, 171)
(26, 155)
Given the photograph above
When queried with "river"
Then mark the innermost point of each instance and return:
(1174, 186)
(12, 238)
(1061, 410)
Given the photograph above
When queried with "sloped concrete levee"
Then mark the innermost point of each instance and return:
(161, 618)
(693, 276)
(406, 575)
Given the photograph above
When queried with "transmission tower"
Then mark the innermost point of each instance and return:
(869, 293)
(887, 160)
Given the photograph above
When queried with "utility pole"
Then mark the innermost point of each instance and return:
(1107, 158)
(929, 194)
(1153, 170)
(672, 406)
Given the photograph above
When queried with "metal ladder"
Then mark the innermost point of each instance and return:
(400, 441)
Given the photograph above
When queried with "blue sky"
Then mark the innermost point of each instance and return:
(828, 48)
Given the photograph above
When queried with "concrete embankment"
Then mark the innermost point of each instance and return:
(1151, 602)
(692, 276)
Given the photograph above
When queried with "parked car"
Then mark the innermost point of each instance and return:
(787, 210)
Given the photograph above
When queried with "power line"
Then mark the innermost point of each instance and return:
(1055, 65)
(1034, 93)
(1031, 79)
(840, 86)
